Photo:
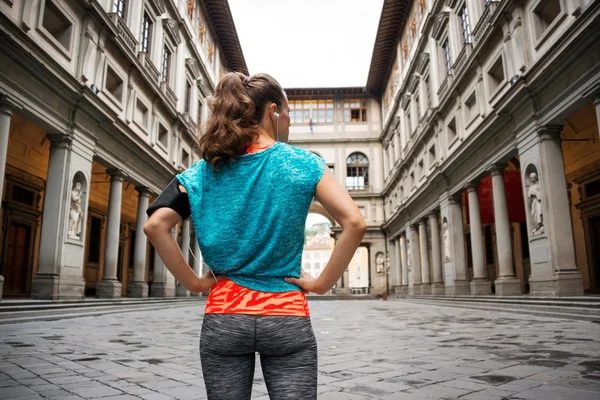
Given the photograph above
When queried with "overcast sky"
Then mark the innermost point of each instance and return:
(308, 43)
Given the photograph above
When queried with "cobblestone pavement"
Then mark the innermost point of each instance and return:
(368, 350)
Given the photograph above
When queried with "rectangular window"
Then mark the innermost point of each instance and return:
(166, 64)
(320, 111)
(185, 159)
(471, 107)
(163, 135)
(418, 105)
(187, 98)
(114, 84)
(141, 114)
(119, 8)
(451, 131)
(146, 33)
(495, 75)
(544, 14)
(466, 27)
(446, 54)
(355, 110)
(57, 25)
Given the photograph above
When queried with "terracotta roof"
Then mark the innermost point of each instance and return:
(227, 38)
(391, 24)
(326, 91)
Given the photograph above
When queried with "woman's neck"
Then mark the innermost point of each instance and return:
(264, 138)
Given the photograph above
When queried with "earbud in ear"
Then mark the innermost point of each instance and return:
(276, 114)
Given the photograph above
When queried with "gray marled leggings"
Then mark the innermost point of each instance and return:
(288, 356)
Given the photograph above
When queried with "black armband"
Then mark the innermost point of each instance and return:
(172, 198)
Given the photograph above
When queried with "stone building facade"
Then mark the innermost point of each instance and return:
(490, 114)
(343, 125)
(100, 103)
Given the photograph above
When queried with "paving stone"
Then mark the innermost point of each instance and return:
(15, 391)
(367, 350)
(556, 393)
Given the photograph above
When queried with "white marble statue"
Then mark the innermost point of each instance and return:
(446, 241)
(75, 213)
(534, 195)
(379, 263)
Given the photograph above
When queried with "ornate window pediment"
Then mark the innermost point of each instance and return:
(406, 97)
(422, 63)
(192, 66)
(440, 23)
(172, 28)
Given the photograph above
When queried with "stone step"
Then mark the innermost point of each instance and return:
(575, 313)
(587, 302)
(24, 305)
(50, 314)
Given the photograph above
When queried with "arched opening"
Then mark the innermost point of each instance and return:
(357, 173)
(318, 243)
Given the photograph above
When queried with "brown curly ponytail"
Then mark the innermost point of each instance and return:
(237, 109)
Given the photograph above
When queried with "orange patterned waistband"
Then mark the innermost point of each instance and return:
(227, 297)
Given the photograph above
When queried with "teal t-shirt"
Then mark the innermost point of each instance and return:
(250, 215)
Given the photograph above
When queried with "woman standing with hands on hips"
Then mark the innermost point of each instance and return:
(249, 197)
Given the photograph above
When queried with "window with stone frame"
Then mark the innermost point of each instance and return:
(199, 113)
(57, 24)
(166, 64)
(446, 56)
(465, 24)
(544, 14)
(357, 171)
(146, 34)
(119, 7)
(427, 89)
(355, 110)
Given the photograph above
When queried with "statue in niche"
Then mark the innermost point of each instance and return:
(534, 194)
(446, 240)
(75, 212)
(379, 263)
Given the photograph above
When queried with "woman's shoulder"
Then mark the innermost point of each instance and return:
(297, 152)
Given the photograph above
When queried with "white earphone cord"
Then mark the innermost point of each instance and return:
(209, 268)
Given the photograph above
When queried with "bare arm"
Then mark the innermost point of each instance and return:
(342, 208)
(158, 230)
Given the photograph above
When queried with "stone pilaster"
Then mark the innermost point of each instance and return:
(414, 261)
(480, 285)
(437, 286)
(60, 265)
(139, 287)
(424, 251)
(550, 234)
(507, 283)
(185, 250)
(404, 260)
(453, 240)
(5, 116)
(110, 287)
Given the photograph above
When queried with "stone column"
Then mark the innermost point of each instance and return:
(139, 287)
(553, 266)
(507, 283)
(185, 250)
(404, 288)
(397, 267)
(414, 259)
(424, 250)
(453, 234)
(480, 285)
(437, 286)
(157, 289)
(110, 287)
(5, 116)
(197, 263)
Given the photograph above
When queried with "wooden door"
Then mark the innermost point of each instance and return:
(17, 259)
